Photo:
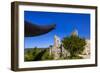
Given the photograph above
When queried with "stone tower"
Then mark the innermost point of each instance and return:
(74, 33)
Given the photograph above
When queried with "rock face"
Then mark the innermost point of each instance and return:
(86, 52)
(57, 49)
(57, 41)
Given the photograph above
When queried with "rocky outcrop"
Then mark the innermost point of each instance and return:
(57, 50)
(86, 52)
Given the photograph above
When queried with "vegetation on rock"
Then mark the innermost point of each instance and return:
(74, 44)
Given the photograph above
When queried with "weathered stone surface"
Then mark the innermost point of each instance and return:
(57, 49)
(86, 52)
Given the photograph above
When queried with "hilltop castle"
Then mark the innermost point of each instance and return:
(59, 51)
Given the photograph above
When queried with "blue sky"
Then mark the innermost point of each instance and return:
(65, 24)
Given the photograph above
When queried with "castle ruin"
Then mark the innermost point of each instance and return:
(58, 51)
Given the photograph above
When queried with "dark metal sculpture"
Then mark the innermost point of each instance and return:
(36, 30)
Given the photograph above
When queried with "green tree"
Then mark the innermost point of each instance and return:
(31, 54)
(74, 44)
(28, 55)
(35, 52)
(47, 56)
